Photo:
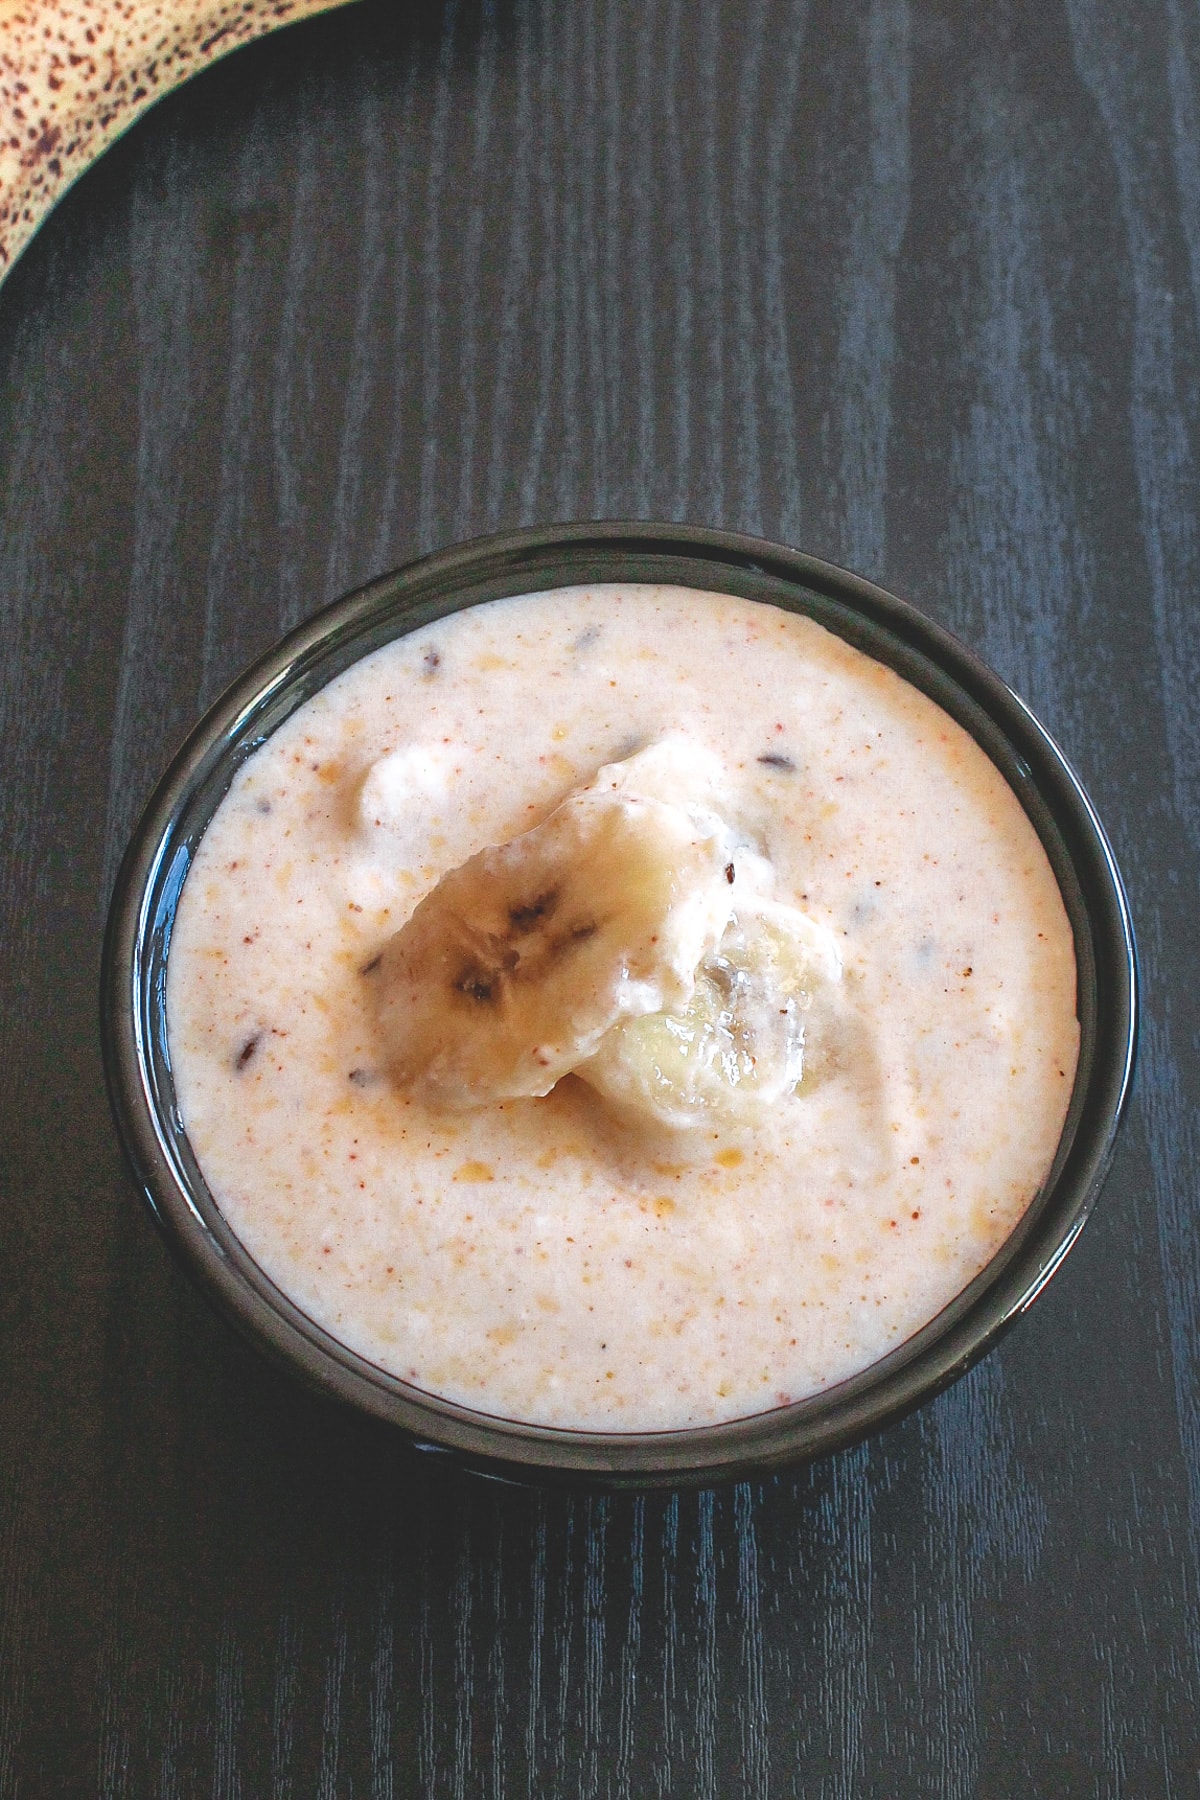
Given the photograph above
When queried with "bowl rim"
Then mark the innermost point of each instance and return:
(150, 879)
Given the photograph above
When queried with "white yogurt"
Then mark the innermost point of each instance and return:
(528, 1258)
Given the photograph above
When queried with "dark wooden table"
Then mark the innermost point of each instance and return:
(915, 286)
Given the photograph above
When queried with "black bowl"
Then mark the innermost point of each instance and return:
(138, 942)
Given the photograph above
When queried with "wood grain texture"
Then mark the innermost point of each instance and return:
(914, 285)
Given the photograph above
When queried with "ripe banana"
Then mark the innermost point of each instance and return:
(627, 939)
(75, 74)
(735, 1049)
(512, 970)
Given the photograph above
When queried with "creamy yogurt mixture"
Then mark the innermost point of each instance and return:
(535, 1257)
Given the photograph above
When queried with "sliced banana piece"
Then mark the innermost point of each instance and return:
(516, 965)
(404, 801)
(406, 780)
(735, 1049)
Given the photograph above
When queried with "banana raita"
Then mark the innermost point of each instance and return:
(624, 1008)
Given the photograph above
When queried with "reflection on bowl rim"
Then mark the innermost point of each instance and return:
(137, 942)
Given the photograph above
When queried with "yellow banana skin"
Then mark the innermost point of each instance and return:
(75, 74)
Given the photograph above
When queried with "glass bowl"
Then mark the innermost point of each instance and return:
(138, 945)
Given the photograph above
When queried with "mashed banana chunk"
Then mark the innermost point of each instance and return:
(616, 940)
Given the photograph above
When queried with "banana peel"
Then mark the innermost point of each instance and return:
(75, 74)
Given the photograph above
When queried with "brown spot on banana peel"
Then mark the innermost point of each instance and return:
(76, 74)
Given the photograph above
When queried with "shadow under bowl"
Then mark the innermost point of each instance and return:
(138, 942)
